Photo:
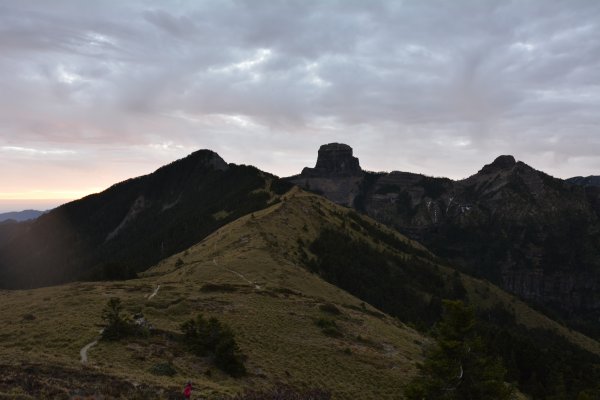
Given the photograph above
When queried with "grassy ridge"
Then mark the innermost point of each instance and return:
(275, 324)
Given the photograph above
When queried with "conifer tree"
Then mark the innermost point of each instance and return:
(457, 367)
(117, 324)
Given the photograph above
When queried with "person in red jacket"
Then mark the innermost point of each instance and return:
(187, 391)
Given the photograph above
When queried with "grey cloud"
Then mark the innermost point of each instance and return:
(438, 82)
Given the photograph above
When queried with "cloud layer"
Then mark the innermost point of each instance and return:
(94, 93)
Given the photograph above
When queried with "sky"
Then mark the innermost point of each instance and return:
(92, 93)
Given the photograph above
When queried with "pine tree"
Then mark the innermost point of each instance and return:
(117, 324)
(457, 367)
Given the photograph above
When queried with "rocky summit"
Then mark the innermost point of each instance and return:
(337, 174)
(500, 163)
(335, 159)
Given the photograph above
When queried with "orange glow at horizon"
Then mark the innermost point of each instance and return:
(49, 195)
(40, 199)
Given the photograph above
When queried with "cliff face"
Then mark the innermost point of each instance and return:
(537, 236)
(337, 174)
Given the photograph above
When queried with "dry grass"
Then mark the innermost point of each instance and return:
(270, 302)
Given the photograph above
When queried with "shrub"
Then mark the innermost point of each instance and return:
(28, 317)
(164, 369)
(213, 338)
(330, 309)
(218, 287)
(117, 325)
(329, 327)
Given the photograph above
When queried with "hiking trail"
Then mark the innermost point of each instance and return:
(83, 353)
(150, 296)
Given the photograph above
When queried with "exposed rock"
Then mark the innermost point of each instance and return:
(500, 163)
(216, 162)
(139, 205)
(337, 174)
(335, 159)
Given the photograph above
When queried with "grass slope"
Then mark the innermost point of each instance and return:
(245, 275)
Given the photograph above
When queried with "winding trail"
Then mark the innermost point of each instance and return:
(154, 293)
(83, 353)
(256, 286)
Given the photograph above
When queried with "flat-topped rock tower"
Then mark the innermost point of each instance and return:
(337, 174)
(334, 159)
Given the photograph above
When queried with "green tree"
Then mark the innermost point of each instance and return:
(213, 338)
(117, 324)
(457, 367)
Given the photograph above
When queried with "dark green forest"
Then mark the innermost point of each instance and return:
(136, 223)
(541, 363)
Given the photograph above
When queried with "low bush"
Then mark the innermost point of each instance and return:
(218, 287)
(163, 369)
(28, 317)
(119, 325)
(330, 309)
(215, 339)
(329, 327)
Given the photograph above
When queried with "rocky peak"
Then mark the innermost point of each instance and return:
(211, 159)
(501, 163)
(335, 159)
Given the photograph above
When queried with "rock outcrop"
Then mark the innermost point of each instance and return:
(501, 163)
(337, 174)
(334, 160)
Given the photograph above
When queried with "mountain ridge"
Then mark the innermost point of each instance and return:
(134, 223)
(20, 216)
(535, 235)
(592, 180)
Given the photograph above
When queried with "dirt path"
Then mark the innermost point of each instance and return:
(257, 287)
(83, 353)
(154, 293)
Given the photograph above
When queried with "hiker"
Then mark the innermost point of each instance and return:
(187, 391)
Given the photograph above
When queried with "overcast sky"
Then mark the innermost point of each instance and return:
(92, 93)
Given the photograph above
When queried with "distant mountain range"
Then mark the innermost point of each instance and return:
(534, 235)
(20, 216)
(585, 181)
